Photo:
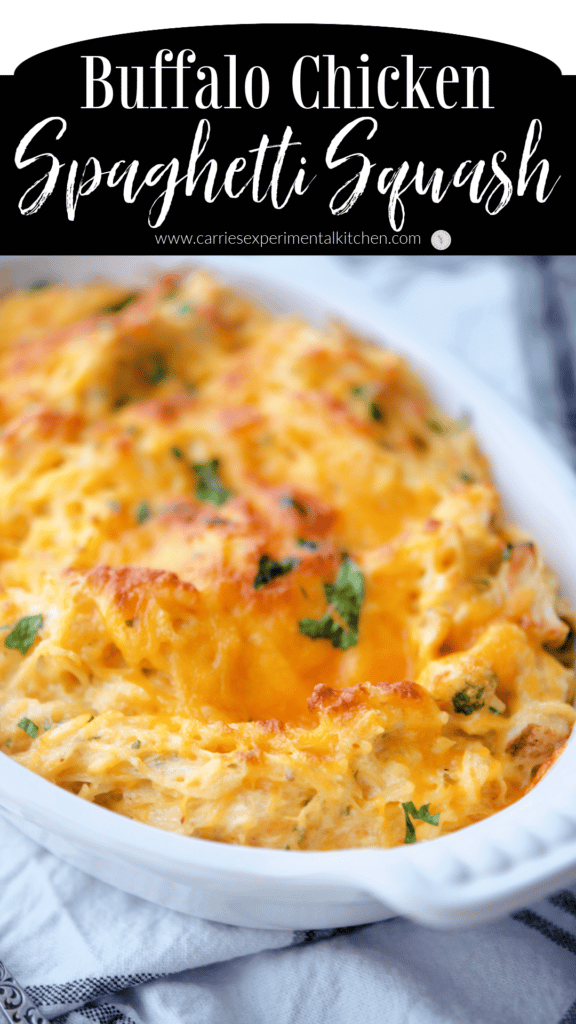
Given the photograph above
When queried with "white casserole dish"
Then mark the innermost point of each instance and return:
(485, 870)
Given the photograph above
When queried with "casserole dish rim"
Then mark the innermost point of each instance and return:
(488, 868)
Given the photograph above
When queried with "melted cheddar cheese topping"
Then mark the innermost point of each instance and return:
(254, 586)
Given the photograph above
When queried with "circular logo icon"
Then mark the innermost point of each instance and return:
(441, 240)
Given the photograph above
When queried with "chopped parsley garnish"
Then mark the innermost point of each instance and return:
(269, 569)
(507, 553)
(467, 477)
(29, 727)
(347, 592)
(129, 622)
(345, 595)
(468, 700)
(421, 815)
(310, 544)
(210, 487)
(327, 629)
(136, 745)
(24, 633)
(289, 502)
(183, 309)
(358, 391)
(116, 307)
(375, 411)
(435, 427)
(115, 506)
(143, 512)
(38, 286)
(177, 453)
(156, 369)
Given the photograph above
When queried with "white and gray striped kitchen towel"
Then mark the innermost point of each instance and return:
(86, 952)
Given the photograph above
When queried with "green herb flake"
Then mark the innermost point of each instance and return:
(48, 724)
(129, 622)
(375, 411)
(8, 743)
(156, 369)
(143, 512)
(495, 711)
(468, 700)
(466, 477)
(24, 633)
(289, 502)
(38, 286)
(115, 506)
(346, 595)
(136, 745)
(423, 814)
(507, 553)
(435, 427)
(359, 391)
(177, 453)
(117, 307)
(310, 544)
(210, 487)
(29, 727)
(183, 309)
(269, 569)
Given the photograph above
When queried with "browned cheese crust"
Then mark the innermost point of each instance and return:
(254, 586)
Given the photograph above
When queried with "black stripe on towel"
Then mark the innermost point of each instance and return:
(546, 928)
(85, 990)
(104, 1013)
(565, 900)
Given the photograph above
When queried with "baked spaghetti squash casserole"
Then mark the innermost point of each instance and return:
(255, 586)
